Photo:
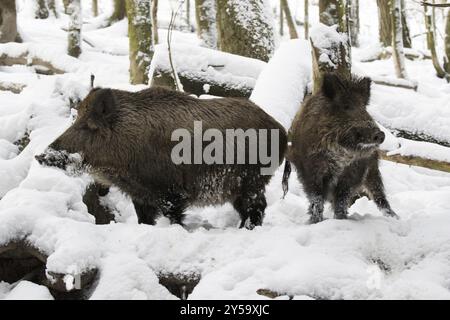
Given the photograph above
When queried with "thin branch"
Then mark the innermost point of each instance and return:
(437, 5)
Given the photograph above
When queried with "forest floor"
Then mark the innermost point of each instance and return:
(366, 256)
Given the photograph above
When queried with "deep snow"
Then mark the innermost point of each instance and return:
(367, 256)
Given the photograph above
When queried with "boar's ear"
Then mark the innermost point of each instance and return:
(365, 84)
(103, 106)
(330, 85)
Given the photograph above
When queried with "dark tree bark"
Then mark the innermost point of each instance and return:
(385, 23)
(8, 21)
(354, 23)
(41, 9)
(431, 41)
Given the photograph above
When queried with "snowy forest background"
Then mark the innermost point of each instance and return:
(59, 241)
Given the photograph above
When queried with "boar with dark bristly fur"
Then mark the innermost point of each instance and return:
(335, 146)
(124, 139)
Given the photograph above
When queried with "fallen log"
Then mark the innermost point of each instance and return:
(41, 66)
(418, 136)
(21, 260)
(198, 85)
(416, 161)
(11, 86)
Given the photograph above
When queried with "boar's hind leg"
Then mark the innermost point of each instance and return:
(374, 185)
(251, 206)
(146, 213)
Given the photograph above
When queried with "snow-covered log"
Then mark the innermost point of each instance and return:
(330, 53)
(417, 161)
(206, 71)
(11, 86)
(20, 259)
(20, 55)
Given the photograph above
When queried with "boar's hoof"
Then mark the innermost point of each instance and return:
(391, 214)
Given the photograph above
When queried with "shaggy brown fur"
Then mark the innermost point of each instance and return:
(335, 147)
(124, 139)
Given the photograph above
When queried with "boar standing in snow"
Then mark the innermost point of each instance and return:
(125, 139)
(335, 146)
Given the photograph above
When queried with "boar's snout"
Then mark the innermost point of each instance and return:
(378, 137)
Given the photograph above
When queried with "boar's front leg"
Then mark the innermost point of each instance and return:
(315, 209)
(374, 184)
(146, 212)
(251, 205)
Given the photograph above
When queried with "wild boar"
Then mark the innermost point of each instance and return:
(334, 147)
(127, 139)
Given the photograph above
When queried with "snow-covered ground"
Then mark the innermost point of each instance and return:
(367, 256)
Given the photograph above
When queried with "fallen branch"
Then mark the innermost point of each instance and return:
(41, 66)
(437, 5)
(416, 161)
(405, 84)
(11, 86)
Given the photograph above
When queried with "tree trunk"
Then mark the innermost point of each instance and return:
(290, 21)
(431, 41)
(406, 36)
(8, 21)
(306, 25)
(329, 12)
(188, 14)
(41, 9)
(281, 19)
(119, 11)
(385, 22)
(397, 40)
(52, 7)
(155, 21)
(141, 40)
(338, 58)
(447, 43)
(245, 28)
(205, 14)
(95, 8)
(74, 30)
(66, 6)
(354, 22)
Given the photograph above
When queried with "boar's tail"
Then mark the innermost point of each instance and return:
(286, 174)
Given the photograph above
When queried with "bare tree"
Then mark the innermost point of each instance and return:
(8, 21)
(281, 20)
(385, 23)
(290, 21)
(52, 7)
(397, 40)
(306, 14)
(447, 43)
(118, 12)
(41, 9)
(74, 30)
(245, 28)
(141, 39)
(95, 8)
(155, 21)
(354, 23)
(431, 41)
(205, 15)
